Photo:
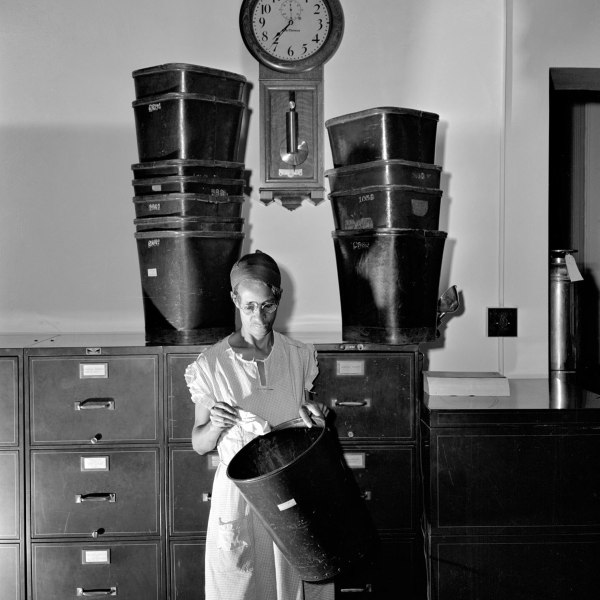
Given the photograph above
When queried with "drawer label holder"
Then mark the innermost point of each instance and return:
(95, 557)
(356, 460)
(90, 370)
(350, 367)
(95, 463)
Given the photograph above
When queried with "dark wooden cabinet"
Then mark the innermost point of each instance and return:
(512, 495)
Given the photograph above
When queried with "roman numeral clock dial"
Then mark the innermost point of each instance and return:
(291, 40)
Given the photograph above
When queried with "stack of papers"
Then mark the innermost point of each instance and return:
(465, 383)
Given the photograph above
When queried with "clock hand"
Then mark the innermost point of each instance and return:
(278, 35)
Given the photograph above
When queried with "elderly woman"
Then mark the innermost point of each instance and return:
(253, 379)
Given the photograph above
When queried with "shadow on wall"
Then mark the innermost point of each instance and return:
(67, 234)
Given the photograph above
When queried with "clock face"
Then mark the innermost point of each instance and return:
(292, 35)
(291, 30)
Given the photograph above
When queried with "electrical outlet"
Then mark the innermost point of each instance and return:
(502, 322)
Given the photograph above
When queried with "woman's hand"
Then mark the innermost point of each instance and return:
(310, 410)
(223, 415)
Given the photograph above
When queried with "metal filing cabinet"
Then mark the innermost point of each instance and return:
(95, 471)
(190, 478)
(373, 392)
(102, 494)
(11, 478)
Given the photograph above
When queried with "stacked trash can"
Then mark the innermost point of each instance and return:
(385, 196)
(188, 198)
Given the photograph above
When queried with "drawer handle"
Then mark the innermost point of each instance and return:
(111, 591)
(367, 588)
(352, 403)
(95, 404)
(206, 497)
(95, 497)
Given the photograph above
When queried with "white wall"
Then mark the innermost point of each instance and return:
(68, 259)
(546, 33)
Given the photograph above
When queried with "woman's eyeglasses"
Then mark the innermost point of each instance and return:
(251, 307)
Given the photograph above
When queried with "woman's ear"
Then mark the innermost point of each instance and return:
(233, 296)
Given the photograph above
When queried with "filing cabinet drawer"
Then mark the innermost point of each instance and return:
(127, 571)
(501, 480)
(386, 478)
(372, 395)
(190, 488)
(180, 406)
(516, 567)
(9, 495)
(187, 569)
(103, 493)
(396, 573)
(9, 401)
(80, 399)
(10, 580)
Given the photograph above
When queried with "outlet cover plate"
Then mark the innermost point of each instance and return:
(502, 322)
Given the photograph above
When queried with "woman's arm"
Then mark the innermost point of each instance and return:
(211, 424)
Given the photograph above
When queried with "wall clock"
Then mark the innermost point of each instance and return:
(291, 40)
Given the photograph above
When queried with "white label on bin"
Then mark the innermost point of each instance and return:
(156, 187)
(288, 504)
(154, 206)
(154, 106)
(93, 370)
(360, 245)
(153, 272)
(350, 367)
(419, 207)
(213, 461)
(95, 557)
(366, 198)
(153, 243)
(94, 463)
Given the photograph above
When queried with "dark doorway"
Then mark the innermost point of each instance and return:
(574, 198)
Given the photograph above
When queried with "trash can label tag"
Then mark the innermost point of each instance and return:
(287, 504)
(152, 272)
